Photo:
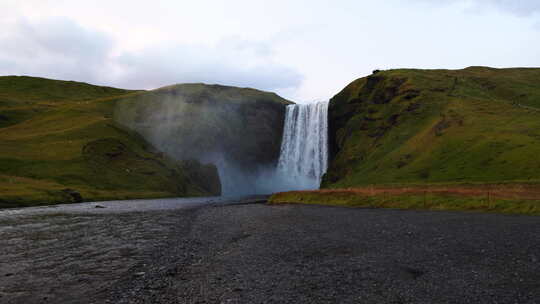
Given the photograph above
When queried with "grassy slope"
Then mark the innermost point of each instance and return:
(23, 97)
(58, 134)
(419, 128)
(223, 93)
(437, 126)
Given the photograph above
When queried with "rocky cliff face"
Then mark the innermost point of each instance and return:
(238, 129)
(428, 126)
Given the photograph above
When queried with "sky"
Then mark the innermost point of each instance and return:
(304, 50)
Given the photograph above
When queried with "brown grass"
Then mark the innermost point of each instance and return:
(503, 191)
(499, 198)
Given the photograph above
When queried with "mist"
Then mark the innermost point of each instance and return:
(239, 130)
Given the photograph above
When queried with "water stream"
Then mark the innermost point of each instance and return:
(304, 149)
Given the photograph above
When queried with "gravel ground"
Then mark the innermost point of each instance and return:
(256, 253)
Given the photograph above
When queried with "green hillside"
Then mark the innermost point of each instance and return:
(58, 140)
(476, 125)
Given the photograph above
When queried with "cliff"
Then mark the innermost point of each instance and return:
(474, 125)
(238, 129)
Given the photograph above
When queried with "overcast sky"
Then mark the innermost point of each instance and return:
(303, 50)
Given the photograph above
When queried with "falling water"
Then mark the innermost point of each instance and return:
(304, 149)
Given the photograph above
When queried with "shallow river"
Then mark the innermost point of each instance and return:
(62, 253)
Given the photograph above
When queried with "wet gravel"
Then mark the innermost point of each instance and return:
(256, 253)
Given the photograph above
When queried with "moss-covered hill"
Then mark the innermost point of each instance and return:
(58, 140)
(238, 129)
(436, 126)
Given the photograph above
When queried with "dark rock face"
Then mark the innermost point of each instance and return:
(72, 196)
(237, 129)
(206, 176)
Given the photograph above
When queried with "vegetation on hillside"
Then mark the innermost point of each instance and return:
(23, 97)
(436, 126)
(59, 141)
(500, 198)
(59, 144)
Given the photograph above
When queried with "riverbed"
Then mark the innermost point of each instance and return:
(214, 250)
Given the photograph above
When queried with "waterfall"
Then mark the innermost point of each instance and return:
(304, 149)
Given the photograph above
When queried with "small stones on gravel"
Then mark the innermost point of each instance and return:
(171, 272)
(305, 254)
(296, 254)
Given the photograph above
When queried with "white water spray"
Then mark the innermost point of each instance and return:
(304, 149)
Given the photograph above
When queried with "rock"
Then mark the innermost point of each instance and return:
(206, 176)
(171, 272)
(72, 196)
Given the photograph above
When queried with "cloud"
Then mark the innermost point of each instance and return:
(56, 47)
(60, 48)
(522, 8)
(232, 62)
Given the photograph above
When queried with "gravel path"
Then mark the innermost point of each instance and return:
(257, 253)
